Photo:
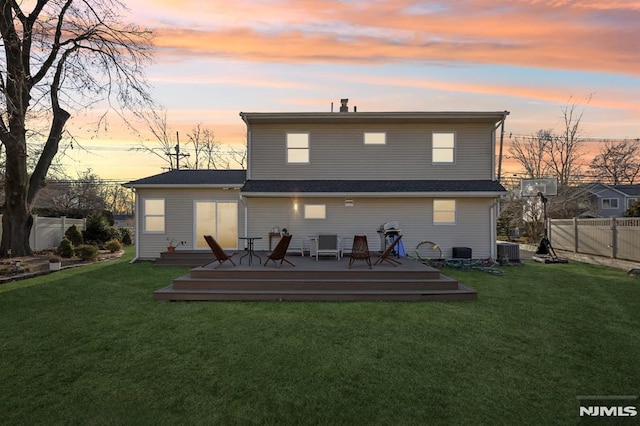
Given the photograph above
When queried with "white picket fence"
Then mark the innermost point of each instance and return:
(617, 237)
(47, 232)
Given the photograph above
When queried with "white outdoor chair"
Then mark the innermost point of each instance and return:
(328, 244)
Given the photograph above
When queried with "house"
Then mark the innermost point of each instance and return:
(345, 172)
(612, 200)
(181, 206)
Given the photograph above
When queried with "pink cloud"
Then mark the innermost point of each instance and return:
(557, 35)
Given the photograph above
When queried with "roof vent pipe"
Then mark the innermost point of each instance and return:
(343, 105)
(355, 109)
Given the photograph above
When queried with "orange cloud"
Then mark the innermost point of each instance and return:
(546, 34)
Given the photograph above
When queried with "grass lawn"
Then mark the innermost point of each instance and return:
(90, 346)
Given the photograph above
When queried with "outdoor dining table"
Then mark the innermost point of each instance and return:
(250, 251)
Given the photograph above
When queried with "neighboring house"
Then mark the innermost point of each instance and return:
(346, 173)
(123, 221)
(612, 200)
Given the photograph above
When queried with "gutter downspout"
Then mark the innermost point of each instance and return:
(501, 124)
(494, 212)
(137, 216)
(246, 121)
(246, 218)
(248, 174)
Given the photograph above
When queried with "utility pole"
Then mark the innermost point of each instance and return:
(178, 154)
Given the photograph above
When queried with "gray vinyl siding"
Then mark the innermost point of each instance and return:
(415, 215)
(338, 152)
(179, 217)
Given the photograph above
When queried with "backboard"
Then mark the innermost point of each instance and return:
(531, 187)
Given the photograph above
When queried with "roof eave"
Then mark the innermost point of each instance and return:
(429, 194)
(189, 185)
(332, 117)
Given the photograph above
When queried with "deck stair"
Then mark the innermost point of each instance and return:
(190, 258)
(309, 280)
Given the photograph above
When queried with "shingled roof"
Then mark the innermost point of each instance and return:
(215, 178)
(372, 186)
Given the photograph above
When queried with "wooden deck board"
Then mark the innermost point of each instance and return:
(311, 280)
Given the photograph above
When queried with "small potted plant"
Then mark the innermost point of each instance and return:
(173, 243)
(55, 263)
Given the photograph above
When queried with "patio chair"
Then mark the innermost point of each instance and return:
(280, 252)
(218, 252)
(328, 244)
(386, 256)
(360, 250)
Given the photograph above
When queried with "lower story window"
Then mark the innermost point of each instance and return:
(315, 211)
(444, 212)
(609, 203)
(153, 215)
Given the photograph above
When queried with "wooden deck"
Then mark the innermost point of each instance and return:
(324, 280)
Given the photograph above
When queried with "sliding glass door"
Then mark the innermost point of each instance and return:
(218, 219)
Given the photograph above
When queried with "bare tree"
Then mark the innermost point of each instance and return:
(208, 152)
(531, 152)
(237, 158)
(156, 122)
(60, 57)
(563, 151)
(206, 148)
(617, 163)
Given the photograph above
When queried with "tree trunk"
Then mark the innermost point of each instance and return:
(16, 217)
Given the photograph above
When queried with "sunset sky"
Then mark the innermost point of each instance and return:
(215, 59)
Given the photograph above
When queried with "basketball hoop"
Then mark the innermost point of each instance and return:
(542, 188)
(534, 187)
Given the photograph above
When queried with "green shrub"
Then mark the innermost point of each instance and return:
(633, 210)
(113, 246)
(74, 235)
(97, 229)
(87, 251)
(125, 236)
(65, 248)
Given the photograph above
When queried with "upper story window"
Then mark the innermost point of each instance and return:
(153, 215)
(609, 203)
(297, 148)
(443, 148)
(444, 212)
(315, 211)
(375, 138)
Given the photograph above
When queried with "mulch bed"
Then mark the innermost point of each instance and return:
(19, 268)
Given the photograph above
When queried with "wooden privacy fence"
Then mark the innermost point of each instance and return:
(616, 237)
(47, 232)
